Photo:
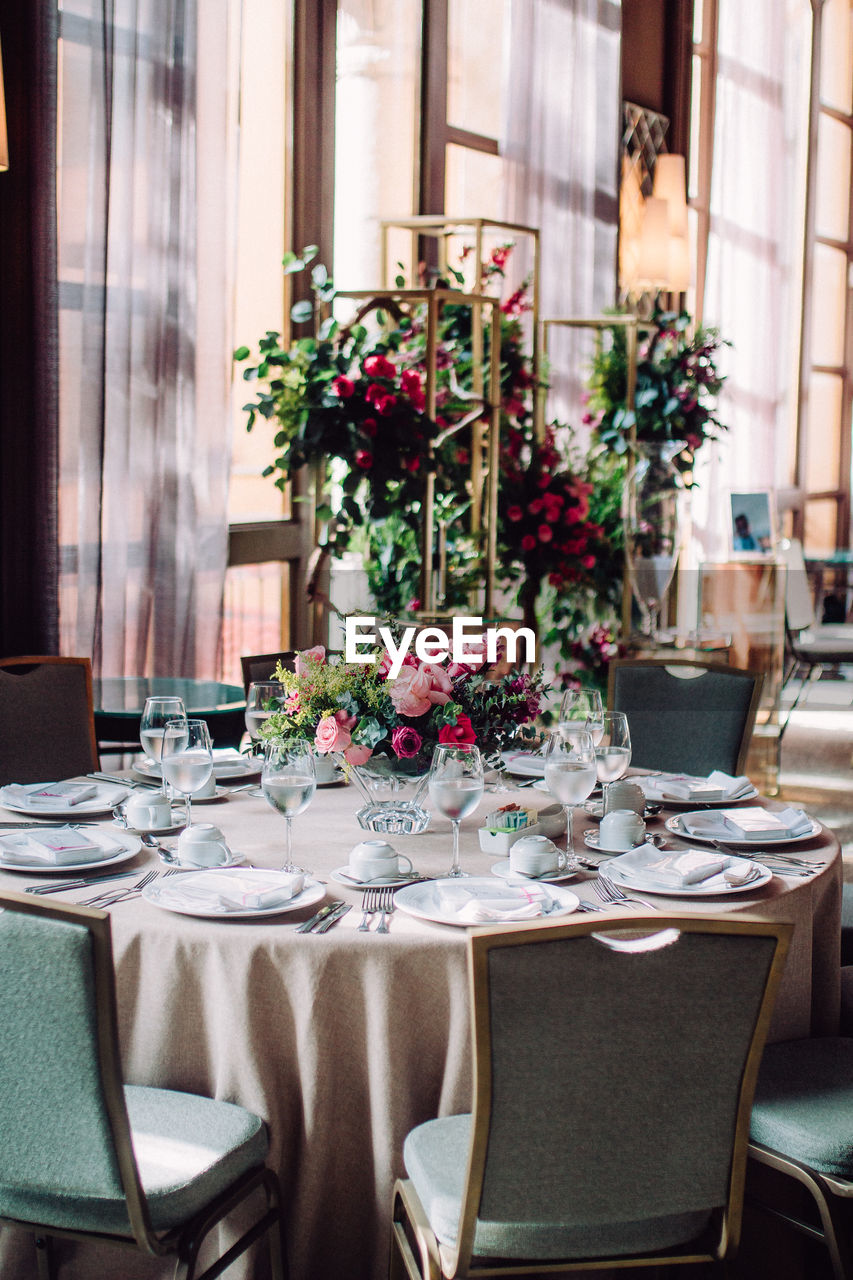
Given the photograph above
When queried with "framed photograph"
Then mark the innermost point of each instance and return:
(753, 523)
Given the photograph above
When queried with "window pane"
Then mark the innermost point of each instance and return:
(832, 215)
(475, 40)
(378, 55)
(256, 614)
(473, 183)
(836, 55)
(829, 302)
(820, 525)
(822, 467)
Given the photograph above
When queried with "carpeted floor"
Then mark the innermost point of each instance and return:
(817, 759)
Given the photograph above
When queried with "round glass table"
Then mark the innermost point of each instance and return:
(119, 701)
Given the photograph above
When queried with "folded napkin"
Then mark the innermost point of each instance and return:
(479, 906)
(50, 794)
(55, 848)
(682, 786)
(526, 762)
(213, 891)
(741, 873)
(752, 822)
(675, 870)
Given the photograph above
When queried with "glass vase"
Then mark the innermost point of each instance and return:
(652, 518)
(392, 795)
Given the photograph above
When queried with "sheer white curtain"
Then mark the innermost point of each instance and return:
(147, 155)
(561, 144)
(755, 243)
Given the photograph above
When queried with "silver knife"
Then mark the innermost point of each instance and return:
(332, 918)
(308, 925)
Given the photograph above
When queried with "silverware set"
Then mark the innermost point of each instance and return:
(377, 902)
(610, 893)
(325, 918)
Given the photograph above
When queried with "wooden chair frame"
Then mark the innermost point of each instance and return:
(417, 1254)
(183, 1242)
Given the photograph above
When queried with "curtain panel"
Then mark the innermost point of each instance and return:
(561, 139)
(146, 156)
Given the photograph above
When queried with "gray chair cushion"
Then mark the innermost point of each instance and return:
(845, 1021)
(436, 1156)
(804, 1103)
(188, 1149)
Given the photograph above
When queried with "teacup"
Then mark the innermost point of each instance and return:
(624, 795)
(534, 856)
(375, 860)
(206, 791)
(620, 830)
(150, 812)
(203, 845)
(325, 768)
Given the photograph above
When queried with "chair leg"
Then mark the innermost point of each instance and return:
(45, 1260)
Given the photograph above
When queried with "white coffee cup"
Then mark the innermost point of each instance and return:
(375, 860)
(149, 812)
(325, 768)
(209, 789)
(203, 845)
(534, 856)
(620, 830)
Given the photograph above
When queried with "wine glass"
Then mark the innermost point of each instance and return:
(263, 699)
(581, 711)
(187, 759)
(612, 751)
(288, 782)
(456, 787)
(156, 713)
(570, 771)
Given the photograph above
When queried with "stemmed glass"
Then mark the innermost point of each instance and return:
(288, 782)
(456, 787)
(156, 714)
(581, 711)
(263, 699)
(612, 751)
(570, 771)
(187, 758)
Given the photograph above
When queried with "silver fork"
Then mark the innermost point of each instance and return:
(369, 907)
(607, 891)
(386, 909)
(117, 895)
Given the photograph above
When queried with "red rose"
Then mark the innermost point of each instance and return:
(528, 542)
(410, 382)
(412, 464)
(385, 404)
(462, 731)
(343, 387)
(378, 367)
(363, 459)
(545, 532)
(536, 506)
(514, 514)
(588, 562)
(368, 427)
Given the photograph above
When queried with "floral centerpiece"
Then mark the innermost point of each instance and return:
(385, 728)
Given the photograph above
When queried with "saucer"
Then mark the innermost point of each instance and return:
(592, 841)
(505, 871)
(342, 876)
(173, 860)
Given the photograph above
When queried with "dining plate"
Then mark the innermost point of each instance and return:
(675, 824)
(229, 767)
(341, 876)
(524, 764)
(423, 901)
(627, 876)
(170, 893)
(107, 796)
(505, 871)
(671, 802)
(130, 846)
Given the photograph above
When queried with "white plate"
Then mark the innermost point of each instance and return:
(505, 871)
(422, 900)
(714, 887)
(342, 876)
(675, 824)
(524, 764)
(222, 769)
(592, 840)
(106, 798)
(674, 803)
(130, 848)
(162, 893)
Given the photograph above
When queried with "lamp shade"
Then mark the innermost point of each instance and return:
(669, 185)
(4, 145)
(653, 257)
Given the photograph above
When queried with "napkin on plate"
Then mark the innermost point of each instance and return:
(50, 794)
(478, 906)
(682, 786)
(674, 870)
(213, 891)
(525, 762)
(55, 848)
(753, 822)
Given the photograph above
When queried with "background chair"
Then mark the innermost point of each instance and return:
(84, 1157)
(613, 1078)
(810, 647)
(261, 666)
(47, 725)
(686, 716)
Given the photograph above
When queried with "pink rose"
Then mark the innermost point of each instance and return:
(410, 692)
(317, 654)
(331, 736)
(357, 754)
(348, 722)
(406, 742)
(440, 684)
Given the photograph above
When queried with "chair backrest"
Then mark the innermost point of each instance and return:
(686, 716)
(799, 606)
(62, 1108)
(47, 723)
(614, 1074)
(261, 666)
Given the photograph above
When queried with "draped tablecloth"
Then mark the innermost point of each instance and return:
(345, 1041)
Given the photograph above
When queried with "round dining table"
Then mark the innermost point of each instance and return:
(344, 1041)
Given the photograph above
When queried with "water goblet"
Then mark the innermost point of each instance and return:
(456, 787)
(263, 699)
(581, 711)
(612, 751)
(288, 781)
(152, 725)
(187, 759)
(570, 771)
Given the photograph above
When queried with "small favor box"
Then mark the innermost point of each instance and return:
(503, 827)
